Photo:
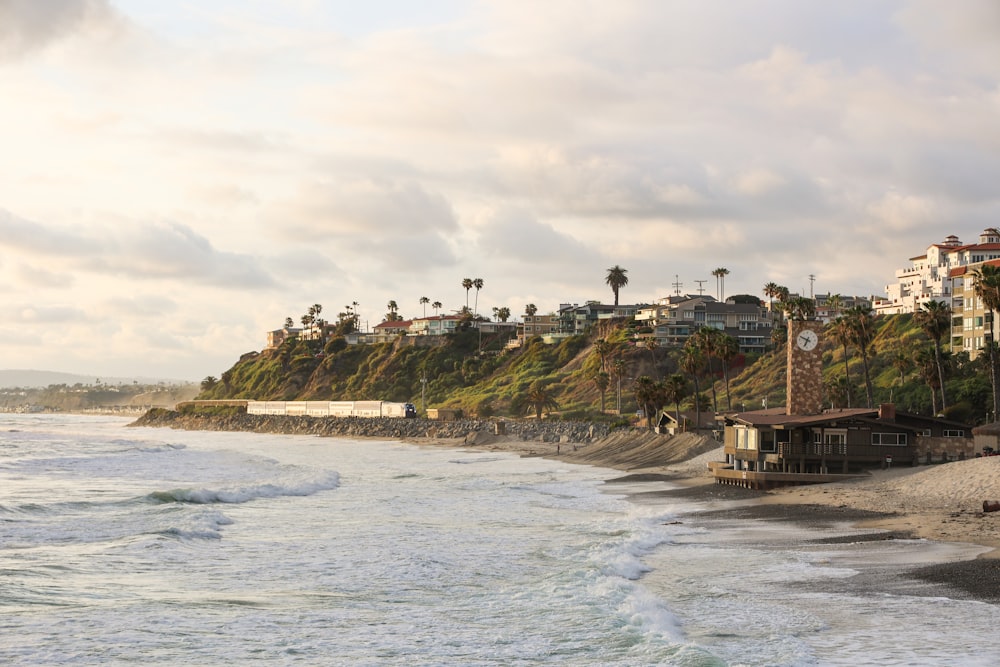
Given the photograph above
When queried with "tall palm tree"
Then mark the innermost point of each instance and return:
(841, 331)
(675, 390)
(800, 308)
(834, 304)
(704, 339)
(478, 284)
(650, 396)
(691, 362)
(392, 315)
(926, 362)
(934, 318)
(771, 291)
(602, 381)
(726, 348)
(603, 348)
(720, 281)
(619, 368)
(436, 306)
(423, 302)
(467, 284)
(987, 288)
(861, 321)
(616, 279)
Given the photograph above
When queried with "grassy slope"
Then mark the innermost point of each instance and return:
(458, 377)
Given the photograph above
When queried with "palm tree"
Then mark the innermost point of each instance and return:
(616, 279)
(861, 322)
(478, 284)
(726, 348)
(704, 339)
(392, 316)
(423, 302)
(602, 347)
(841, 331)
(502, 313)
(902, 361)
(619, 367)
(926, 362)
(467, 284)
(289, 323)
(800, 308)
(530, 310)
(436, 306)
(987, 288)
(650, 396)
(209, 383)
(934, 318)
(834, 303)
(771, 291)
(720, 281)
(602, 381)
(691, 362)
(540, 399)
(675, 390)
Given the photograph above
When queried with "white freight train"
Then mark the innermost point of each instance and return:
(332, 408)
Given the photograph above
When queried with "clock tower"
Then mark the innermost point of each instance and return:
(805, 368)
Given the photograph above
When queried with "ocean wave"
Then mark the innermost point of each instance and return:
(243, 494)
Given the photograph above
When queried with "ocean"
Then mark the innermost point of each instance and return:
(123, 546)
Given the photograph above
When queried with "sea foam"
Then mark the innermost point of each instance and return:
(245, 493)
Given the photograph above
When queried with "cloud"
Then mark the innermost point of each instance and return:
(36, 277)
(150, 251)
(28, 25)
(51, 315)
(515, 235)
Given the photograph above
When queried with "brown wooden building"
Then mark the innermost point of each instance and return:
(768, 448)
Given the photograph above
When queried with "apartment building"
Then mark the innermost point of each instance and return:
(929, 276)
(750, 324)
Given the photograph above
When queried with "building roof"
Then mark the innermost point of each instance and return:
(776, 417)
(394, 325)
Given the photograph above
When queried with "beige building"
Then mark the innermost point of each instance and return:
(970, 323)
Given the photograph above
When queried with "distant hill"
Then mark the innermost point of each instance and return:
(32, 378)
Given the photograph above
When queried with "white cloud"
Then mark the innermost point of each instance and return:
(242, 161)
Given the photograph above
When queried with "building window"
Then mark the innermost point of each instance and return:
(834, 437)
(954, 433)
(889, 439)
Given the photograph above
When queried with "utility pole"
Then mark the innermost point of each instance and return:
(701, 286)
(812, 279)
(423, 394)
(677, 285)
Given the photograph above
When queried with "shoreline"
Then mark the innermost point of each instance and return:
(940, 503)
(887, 505)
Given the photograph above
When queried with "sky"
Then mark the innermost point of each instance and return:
(177, 178)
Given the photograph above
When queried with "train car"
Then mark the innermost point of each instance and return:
(332, 409)
(405, 410)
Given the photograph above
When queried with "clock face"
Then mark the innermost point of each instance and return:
(807, 340)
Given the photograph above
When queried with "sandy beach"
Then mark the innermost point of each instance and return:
(942, 502)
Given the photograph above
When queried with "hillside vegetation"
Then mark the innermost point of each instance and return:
(496, 383)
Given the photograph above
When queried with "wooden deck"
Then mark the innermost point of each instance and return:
(762, 481)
